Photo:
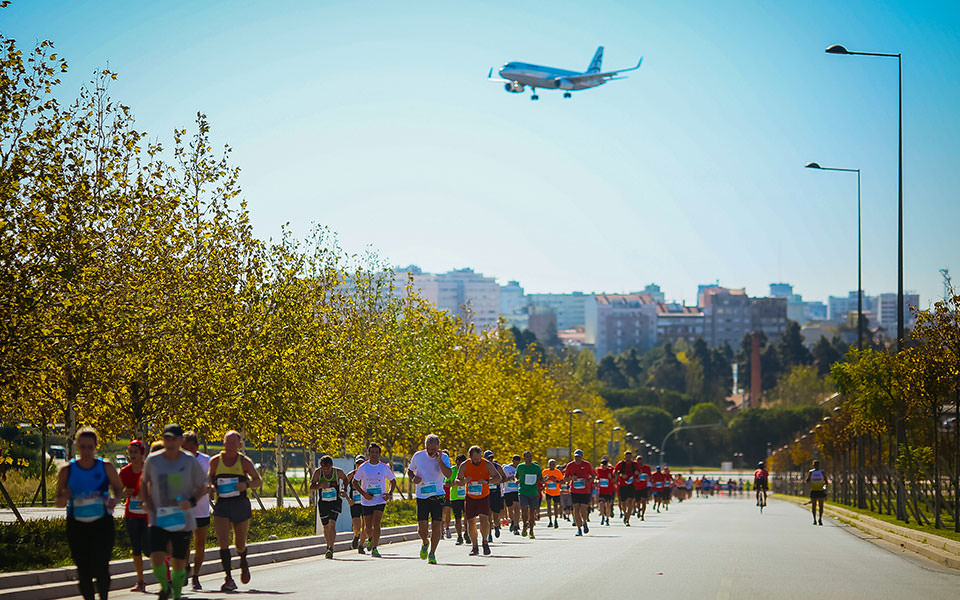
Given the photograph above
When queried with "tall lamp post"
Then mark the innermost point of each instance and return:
(575, 411)
(813, 165)
(595, 423)
(838, 49)
(610, 449)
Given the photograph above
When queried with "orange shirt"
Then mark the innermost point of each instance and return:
(477, 473)
(556, 474)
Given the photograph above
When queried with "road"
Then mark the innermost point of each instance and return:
(715, 548)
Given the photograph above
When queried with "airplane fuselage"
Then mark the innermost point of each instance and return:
(538, 76)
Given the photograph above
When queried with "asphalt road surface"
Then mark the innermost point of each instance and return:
(714, 548)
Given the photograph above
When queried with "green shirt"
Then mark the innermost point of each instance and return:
(529, 489)
(454, 495)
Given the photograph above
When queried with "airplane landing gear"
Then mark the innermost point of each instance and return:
(534, 96)
(567, 95)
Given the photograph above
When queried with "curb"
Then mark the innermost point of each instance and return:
(941, 550)
(50, 584)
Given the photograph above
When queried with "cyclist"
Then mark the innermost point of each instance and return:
(760, 483)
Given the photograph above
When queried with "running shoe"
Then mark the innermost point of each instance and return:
(355, 542)
(424, 551)
(374, 552)
(459, 540)
(329, 553)
(579, 532)
(586, 528)
(489, 537)
(229, 585)
(360, 550)
(531, 536)
(466, 538)
(164, 594)
(432, 559)
(524, 533)
(474, 551)
(244, 569)
(486, 550)
(496, 530)
(140, 587)
(196, 584)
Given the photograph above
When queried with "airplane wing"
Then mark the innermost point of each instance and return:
(490, 77)
(608, 76)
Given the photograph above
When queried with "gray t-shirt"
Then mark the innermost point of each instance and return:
(171, 479)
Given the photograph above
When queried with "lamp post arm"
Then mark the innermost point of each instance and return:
(681, 428)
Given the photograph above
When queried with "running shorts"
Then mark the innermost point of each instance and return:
(606, 497)
(665, 494)
(627, 493)
(565, 501)
(474, 507)
(356, 511)
(643, 494)
(138, 530)
(328, 510)
(496, 501)
(369, 510)
(430, 508)
(457, 507)
(531, 501)
(179, 540)
(817, 494)
(510, 498)
(236, 509)
(203, 522)
(580, 498)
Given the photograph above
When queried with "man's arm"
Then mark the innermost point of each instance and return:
(494, 476)
(63, 490)
(252, 475)
(444, 467)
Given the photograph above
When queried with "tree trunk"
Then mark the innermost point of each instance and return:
(901, 485)
(278, 461)
(937, 500)
(43, 464)
(72, 388)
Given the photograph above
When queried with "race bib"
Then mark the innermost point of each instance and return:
(604, 483)
(530, 479)
(580, 484)
(428, 489)
(375, 490)
(494, 486)
(552, 485)
(171, 518)
(511, 486)
(136, 507)
(658, 484)
(228, 487)
(357, 497)
(328, 494)
(87, 510)
(628, 481)
(461, 490)
(475, 489)
(643, 477)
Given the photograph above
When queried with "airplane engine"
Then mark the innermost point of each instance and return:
(563, 83)
(513, 87)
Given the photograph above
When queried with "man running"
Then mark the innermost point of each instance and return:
(134, 513)
(232, 473)
(552, 478)
(529, 476)
(330, 483)
(201, 512)
(511, 493)
(657, 481)
(580, 474)
(356, 508)
(172, 484)
(458, 494)
(370, 479)
(477, 473)
(818, 491)
(667, 490)
(607, 487)
(428, 470)
(642, 487)
(496, 497)
(626, 471)
(760, 476)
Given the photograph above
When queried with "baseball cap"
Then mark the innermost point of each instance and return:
(172, 430)
(139, 444)
(488, 453)
(578, 452)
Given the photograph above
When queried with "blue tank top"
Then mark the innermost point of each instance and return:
(86, 482)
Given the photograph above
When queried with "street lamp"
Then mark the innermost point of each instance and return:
(575, 411)
(690, 451)
(610, 449)
(838, 49)
(595, 423)
(813, 165)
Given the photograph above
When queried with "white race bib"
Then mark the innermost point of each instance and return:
(461, 490)
(136, 507)
(228, 487)
(643, 476)
(428, 489)
(604, 482)
(494, 486)
(552, 485)
(89, 509)
(511, 486)
(357, 497)
(580, 484)
(474, 489)
(375, 490)
(530, 479)
(328, 494)
(171, 518)
(629, 481)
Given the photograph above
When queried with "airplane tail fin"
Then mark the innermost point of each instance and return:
(595, 63)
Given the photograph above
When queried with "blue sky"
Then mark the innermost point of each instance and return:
(376, 118)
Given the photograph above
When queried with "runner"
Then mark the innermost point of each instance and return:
(818, 491)
(477, 473)
(134, 515)
(331, 485)
(657, 481)
(232, 473)
(607, 488)
(552, 478)
(370, 479)
(457, 494)
(496, 497)
(580, 474)
(201, 512)
(760, 476)
(172, 484)
(356, 508)
(428, 470)
(83, 488)
(511, 493)
(642, 487)
(667, 490)
(626, 471)
(529, 476)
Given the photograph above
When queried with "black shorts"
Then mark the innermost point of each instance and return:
(203, 522)
(179, 540)
(329, 510)
(580, 498)
(457, 507)
(818, 494)
(606, 497)
(369, 510)
(496, 501)
(760, 484)
(510, 498)
(627, 492)
(236, 509)
(642, 494)
(138, 530)
(554, 499)
(430, 509)
(356, 511)
(665, 494)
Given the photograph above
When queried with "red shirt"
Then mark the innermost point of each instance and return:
(131, 481)
(760, 474)
(658, 480)
(584, 474)
(606, 473)
(626, 471)
(642, 480)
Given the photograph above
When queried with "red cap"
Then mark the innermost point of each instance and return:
(138, 444)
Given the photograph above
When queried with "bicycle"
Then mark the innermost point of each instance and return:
(761, 497)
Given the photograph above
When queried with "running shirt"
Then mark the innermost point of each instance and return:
(818, 482)
(88, 491)
(626, 470)
(455, 492)
(329, 487)
(227, 477)
(202, 509)
(760, 475)
(657, 480)
(583, 473)
(527, 477)
(426, 468)
(641, 480)
(552, 488)
(374, 479)
(133, 507)
(478, 487)
(510, 486)
(607, 484)
(171, 482)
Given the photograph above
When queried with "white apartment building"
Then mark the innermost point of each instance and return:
(618, 322)
(886, 305)
(462, 292)
(570, 308)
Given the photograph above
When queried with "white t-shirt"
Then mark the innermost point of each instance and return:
(427, 469)
(202, 509)
(374, 479)
(510, 486)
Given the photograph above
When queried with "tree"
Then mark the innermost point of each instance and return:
(790, 347)
(824, 355)
(668, 372)
(800, 386)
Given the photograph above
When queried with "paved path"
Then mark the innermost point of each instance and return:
(705, 549)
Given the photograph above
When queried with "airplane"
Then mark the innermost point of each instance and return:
(516, 75)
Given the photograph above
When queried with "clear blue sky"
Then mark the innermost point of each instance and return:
(376, 118)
